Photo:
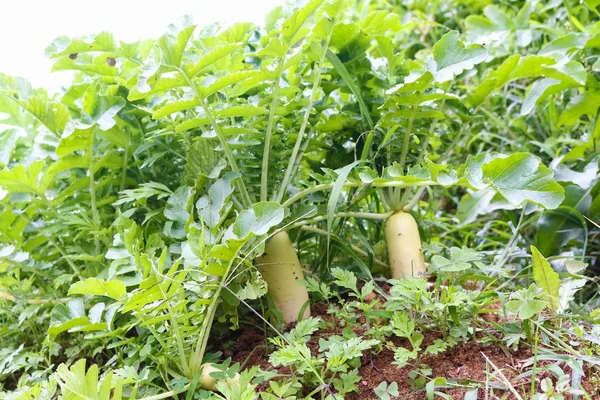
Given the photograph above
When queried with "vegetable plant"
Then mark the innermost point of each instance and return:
(184, 195)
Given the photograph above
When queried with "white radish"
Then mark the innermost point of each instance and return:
(404, 246)
(209, 382)
(281, 269)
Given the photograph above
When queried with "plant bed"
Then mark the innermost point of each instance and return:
(475, 368)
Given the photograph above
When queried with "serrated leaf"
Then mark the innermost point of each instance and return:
(64, 46)
(79, 139)
(174, 107)
(541, 89)
(482, 202)
(583, 104)
(173, 43)
(517, 67)
(77, 384)
(520, 178)
(67, 316)
(99, 287)
(230, 112)
(177, 205)
(23, 179)
(451, 57)
(231, 79)
(214, 206)
(148, 86)
(292, 25)
(101, 108)
(336, 191)
(8, 141)
(567, 291)
(210, 58)
(257, 220)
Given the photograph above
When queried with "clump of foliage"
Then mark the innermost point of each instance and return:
(217, 177)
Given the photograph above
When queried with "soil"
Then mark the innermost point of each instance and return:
(466, 362)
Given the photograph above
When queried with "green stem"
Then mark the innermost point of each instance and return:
(329, 186)
(406, 142)
(124, 169)
(172, 393)
(302, 152)
(95, 214)
(415, 199)
(363, 215)
(198, 354)
(74, 267)
(176, 331)
(223, 141)
(316, 84)
(365, 151)
(264, 178)
(535, 359)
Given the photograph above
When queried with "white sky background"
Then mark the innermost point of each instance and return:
(27, 27)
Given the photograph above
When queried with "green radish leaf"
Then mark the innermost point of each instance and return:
(495, 22)
(176, 211)
(520, 178)
(540, 90)
(148, 86)
(214, 206)
(253, 287)
(498, 26)
(482, 202)
(451, 57)
(90, 66)
(208, 59)
(545, 277)
(575, 267)
(177, 205)
(101, 108)
(584, 104)
(336, 192)
(515, 67)
(63, 46)
(22, 179)
(8, 141)
(117, 136)
(53, 116)
(99, 287)
(234, 111)
(174, 107)
(231, 79)
(67, 316)
(257, 220)
(349, 81)
(173, 43)
(531, 308)
(79, 139)
(76, 383)
(567, 291)
(565, 44)
(556, 228)
(291, 26)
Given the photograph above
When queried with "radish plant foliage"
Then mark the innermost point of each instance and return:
(134, 204)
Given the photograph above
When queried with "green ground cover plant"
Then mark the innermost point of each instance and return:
(370, 188)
